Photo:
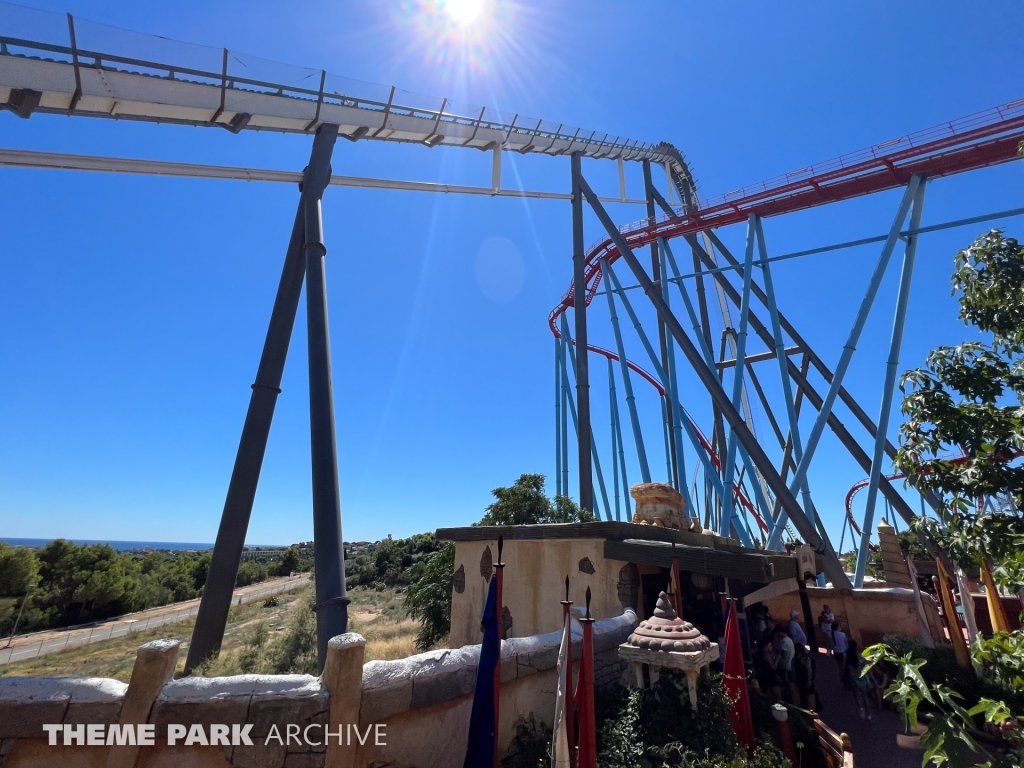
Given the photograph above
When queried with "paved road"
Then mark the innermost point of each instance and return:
(30, 646)
(874, 741)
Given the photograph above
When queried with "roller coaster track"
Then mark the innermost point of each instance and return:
(977, 141)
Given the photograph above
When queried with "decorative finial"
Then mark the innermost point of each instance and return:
(501, 544)
(567, 588)
(588, 602)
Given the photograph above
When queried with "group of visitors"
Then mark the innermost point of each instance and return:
(786, 667)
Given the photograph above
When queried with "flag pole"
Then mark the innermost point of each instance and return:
(570, 726)
(585, 695)
(678, 586)
(499, 574)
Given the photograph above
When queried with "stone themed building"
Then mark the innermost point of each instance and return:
(625, 565)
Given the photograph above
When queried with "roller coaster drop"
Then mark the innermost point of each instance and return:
(47, 64)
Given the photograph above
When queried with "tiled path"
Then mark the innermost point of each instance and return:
(874, 741)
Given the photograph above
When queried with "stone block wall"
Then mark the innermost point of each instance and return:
(864, 614)
(421, 705)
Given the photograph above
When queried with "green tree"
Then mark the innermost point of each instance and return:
(17, 570)
(290, 561)
(968, 400)
(525, 503)
(250, 572)
(429, 597)
(963, 434)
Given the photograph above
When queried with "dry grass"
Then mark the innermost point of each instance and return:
(115, 658)
(378, 616)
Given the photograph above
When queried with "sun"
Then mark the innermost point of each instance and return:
(463, 12)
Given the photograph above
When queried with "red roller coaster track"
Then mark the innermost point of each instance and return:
(977, 141)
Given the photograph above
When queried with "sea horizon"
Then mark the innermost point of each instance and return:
(127, 546)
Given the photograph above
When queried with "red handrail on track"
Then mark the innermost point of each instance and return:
(983, 139)
(977, 141)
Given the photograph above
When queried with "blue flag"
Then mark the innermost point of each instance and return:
(480, 749)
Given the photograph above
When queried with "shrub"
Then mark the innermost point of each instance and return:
(429, 598)
(295, 651)
(656, 726)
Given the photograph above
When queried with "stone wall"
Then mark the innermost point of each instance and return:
(421, 705)
(864, 614)
(535, 574)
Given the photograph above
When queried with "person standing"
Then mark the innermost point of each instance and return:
(825, 619)
(839, 646)
(771, 679)
(804, 671)
(859, 684)
(794, 630)
(787, 651)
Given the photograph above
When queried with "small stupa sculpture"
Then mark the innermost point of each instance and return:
(666, 641)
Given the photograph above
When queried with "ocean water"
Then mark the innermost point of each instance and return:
(125, 545)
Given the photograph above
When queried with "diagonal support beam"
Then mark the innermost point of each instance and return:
(891, 366)
(331, 606)
(737, 380)
(627, 384)
(709, 358)
(826, 373)
(732, 417)
(858, 326)
(576, 423)
(859, 455)
(234, 522)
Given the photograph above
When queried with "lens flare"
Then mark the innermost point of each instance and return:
(464, 12)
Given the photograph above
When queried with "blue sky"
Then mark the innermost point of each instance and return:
(133, 309)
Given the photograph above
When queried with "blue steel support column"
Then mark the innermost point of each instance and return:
(615, 446)
(579, 281)
(665, 428)
(858, 454)
(573, 358)
(787, 384)
(622, 460)
(851, 343)
(891, 366)
(328, 553)
(684, 422)
(709, 359)
(627, 384)
(737, 381)
(672, 384)
(558, 418)
(710, 380)
(245, 475)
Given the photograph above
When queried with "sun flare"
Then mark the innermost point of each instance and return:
(464, 12)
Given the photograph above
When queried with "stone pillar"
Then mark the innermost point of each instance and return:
(896, 572)
(154, 666)
(343, 676)
(658, 504)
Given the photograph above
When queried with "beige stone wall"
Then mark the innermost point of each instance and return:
(424, 703)
(865, 614)
(534, 584)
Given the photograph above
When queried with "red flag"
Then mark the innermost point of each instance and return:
(734, 680)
